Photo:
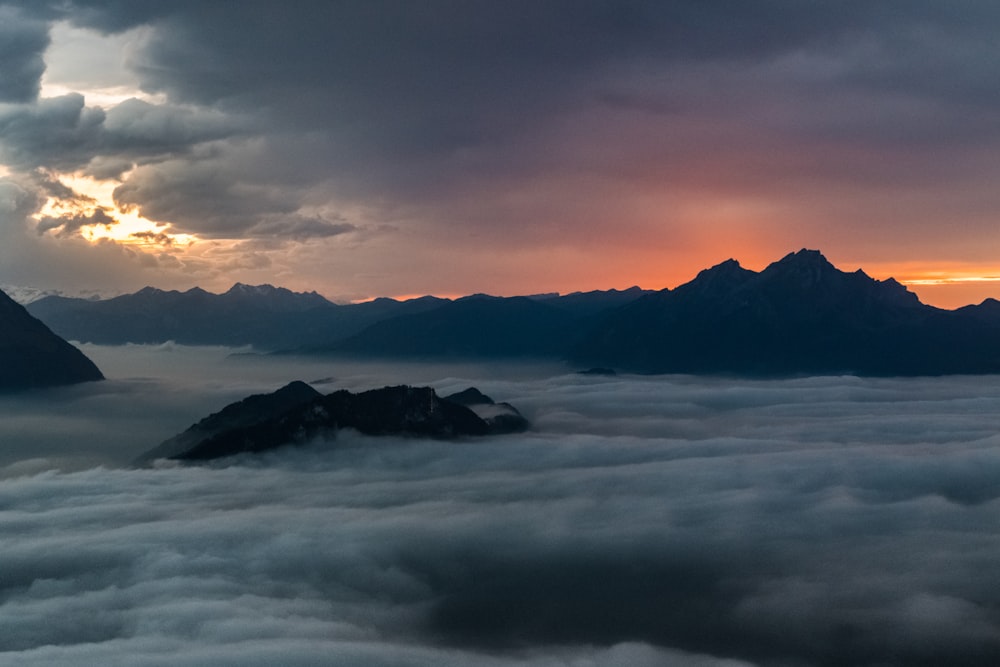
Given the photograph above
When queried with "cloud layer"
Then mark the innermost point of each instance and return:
(644, 521)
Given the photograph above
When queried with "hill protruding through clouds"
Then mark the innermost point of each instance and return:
(32, 356)
(297, 413)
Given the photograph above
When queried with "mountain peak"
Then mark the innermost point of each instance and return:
(805, 269)
(243, 288)
(804, 257)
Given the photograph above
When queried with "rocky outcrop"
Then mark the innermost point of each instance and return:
(245, 414)
(297, 413)
(32, 356)
(500, 417)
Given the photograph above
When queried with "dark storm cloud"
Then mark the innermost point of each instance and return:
(811, 522)
(22, 44)
(58, 133)
(62, 133)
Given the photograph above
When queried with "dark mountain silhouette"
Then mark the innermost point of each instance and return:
(471, 327)
(297, 413)
(247, 413)
(799, 315)
(266, 317)
(276, 319)
(588, 304)
(31, 355)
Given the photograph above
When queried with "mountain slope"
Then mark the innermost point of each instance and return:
(31, 355)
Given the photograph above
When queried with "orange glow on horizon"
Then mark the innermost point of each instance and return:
(406, 297)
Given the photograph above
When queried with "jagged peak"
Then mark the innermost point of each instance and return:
(729, 266)
(480, 296)
(805, 268)
(243, 288)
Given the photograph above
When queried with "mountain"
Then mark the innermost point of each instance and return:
(472, 327)
(31, 355)
(588, 304)
(298, 413)
(266, 317)
(276, 319)
(247, 413)
(799, 315)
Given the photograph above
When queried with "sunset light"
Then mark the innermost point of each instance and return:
(95, 200)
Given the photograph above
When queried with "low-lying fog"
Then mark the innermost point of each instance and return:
(642, 521)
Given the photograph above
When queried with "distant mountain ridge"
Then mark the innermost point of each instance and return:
(799, 315)
(31, 355)
(273, 318)
(263, 316)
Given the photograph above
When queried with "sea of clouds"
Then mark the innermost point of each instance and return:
(642, 521)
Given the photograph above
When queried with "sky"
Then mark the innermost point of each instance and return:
(449, 147)
(642, 522)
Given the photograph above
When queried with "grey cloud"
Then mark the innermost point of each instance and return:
(64, 134)
(649, 521)
(299, 228)
(135, 126)
(219, 192)
(18, 200)
(22, 44)
(198, 196)
(58, 133)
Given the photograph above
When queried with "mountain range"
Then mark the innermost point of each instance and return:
(800, 315)
(276, 319)
(263, 316)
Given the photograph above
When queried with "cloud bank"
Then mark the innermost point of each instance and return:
(644, 521)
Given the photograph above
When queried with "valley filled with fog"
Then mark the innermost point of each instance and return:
(642, 520)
